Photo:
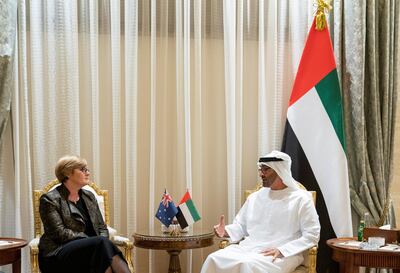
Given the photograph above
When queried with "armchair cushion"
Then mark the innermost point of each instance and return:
(120, 240)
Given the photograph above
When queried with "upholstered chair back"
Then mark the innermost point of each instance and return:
(101, 196)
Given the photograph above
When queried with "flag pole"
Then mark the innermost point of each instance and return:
(323, 8)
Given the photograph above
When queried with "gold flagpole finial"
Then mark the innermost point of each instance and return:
(322, 8)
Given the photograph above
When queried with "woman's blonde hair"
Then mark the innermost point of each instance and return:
(67, 164)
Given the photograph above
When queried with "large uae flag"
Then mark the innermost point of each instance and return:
(314, 139)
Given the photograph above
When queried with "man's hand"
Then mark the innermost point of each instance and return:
(274, 252)
(220, 228)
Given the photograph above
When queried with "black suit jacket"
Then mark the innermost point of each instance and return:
(63, 222)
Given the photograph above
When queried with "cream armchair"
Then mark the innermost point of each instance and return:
(309, 264)
(123, 243)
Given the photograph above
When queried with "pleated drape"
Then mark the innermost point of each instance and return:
(369, 73)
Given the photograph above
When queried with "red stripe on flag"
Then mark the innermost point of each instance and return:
(185, 198)
(315, 63)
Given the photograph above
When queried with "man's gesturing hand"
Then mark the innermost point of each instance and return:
(220, 228)
(274, 252)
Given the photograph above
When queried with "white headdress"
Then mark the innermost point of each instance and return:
(281, 163)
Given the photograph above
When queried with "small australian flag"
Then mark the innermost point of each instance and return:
(167, 209)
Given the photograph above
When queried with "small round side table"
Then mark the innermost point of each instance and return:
(173, 244)
(10, 252)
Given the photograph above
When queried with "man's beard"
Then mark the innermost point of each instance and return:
(267, 182)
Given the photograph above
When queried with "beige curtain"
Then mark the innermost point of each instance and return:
(369, 73)
(174, 93)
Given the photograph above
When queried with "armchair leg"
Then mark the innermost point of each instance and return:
(34, 260)
(312, 267)
(128, 255)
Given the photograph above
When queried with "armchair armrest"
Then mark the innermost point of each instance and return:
(111, 232)
(125, 244)
(223, 243)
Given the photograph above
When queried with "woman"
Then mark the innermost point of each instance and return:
(75, 236)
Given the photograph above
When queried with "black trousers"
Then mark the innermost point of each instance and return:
(87, 255)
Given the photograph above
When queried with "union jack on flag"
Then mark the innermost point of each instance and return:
(166, 199)
(166, 210)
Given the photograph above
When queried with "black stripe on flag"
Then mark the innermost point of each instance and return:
(181, 218)
(302, 172)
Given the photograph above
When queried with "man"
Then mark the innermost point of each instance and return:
(278, 223)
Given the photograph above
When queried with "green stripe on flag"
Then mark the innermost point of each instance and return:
(328, 90)
(193, 210)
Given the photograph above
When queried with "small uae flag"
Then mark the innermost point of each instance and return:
(187, 212)
(314, 139)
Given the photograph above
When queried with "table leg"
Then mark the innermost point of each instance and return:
(174, 265)
(16, 265)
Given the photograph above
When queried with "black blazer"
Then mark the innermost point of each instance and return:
(63, 222)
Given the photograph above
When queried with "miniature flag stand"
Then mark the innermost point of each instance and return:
(169, 215)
